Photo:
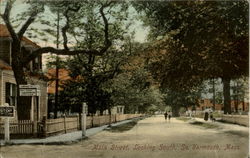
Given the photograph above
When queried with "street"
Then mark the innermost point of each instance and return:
(152, 137)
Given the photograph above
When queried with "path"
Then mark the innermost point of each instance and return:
(150, 138)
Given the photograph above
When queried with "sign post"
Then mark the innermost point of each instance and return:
(7, 130)
(7, 112)
(84, 118)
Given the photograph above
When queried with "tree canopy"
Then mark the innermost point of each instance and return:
(72, 13)
(201, 40)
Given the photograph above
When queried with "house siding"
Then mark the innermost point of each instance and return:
(5, 47)
(8, 76)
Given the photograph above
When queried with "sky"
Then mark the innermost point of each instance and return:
(137, 25)
(19, 7)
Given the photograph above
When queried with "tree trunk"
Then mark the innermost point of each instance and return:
(101, 112)
(175, 110)
(23, 103)
(226, 94)
(110, 119)
(243, 105)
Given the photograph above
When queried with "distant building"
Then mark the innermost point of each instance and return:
(208, 104)
(239, 106)
(8, 88)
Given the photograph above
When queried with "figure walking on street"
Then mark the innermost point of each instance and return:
(206, 116)
(212, 117)
(166, 115)
(169, 115)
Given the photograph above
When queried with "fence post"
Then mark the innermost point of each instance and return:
(80, 121)
(35, 126)
(64, 122)
(77, 122)
(92, 120)
(99, 120)
(44, 123)
(84, 117)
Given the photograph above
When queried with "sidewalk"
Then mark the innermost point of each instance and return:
(226, 127)
(67, 138)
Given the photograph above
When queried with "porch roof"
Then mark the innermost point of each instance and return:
(5, 33)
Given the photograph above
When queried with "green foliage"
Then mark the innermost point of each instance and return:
(124, 127)
(152, 109)
(214, 44)
(201, 40)
(168, 108)
(185, 119)
(178, 99)
(89, 72)
(182, 110)
(240, 89)
(134, 93)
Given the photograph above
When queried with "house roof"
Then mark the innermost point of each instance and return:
(4, 65)
(5, 33)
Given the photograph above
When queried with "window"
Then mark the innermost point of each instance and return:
(10, 93)
(35, 64)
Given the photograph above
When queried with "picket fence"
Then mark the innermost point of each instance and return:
(48, 127)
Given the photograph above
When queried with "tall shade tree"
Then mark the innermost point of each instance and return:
(202, 40)
(20, 54)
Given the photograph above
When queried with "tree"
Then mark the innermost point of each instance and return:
(214, 45)
(239, 92)
(177, 99)
(134, 87)
(92, 68)
(21, 55)
(135, 93)
(213, 91)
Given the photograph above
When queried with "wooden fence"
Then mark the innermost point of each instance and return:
(48, 127)
(68, 124)
(60, 125)
(21, 128)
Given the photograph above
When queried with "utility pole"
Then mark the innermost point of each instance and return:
(57, 68)
(213, 94)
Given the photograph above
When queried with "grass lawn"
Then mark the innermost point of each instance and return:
(205, 125)
(123, 127)
(185, 119)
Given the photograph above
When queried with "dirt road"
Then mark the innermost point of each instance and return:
(150, 138)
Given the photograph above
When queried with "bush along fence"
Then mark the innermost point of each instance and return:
(49, 127)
